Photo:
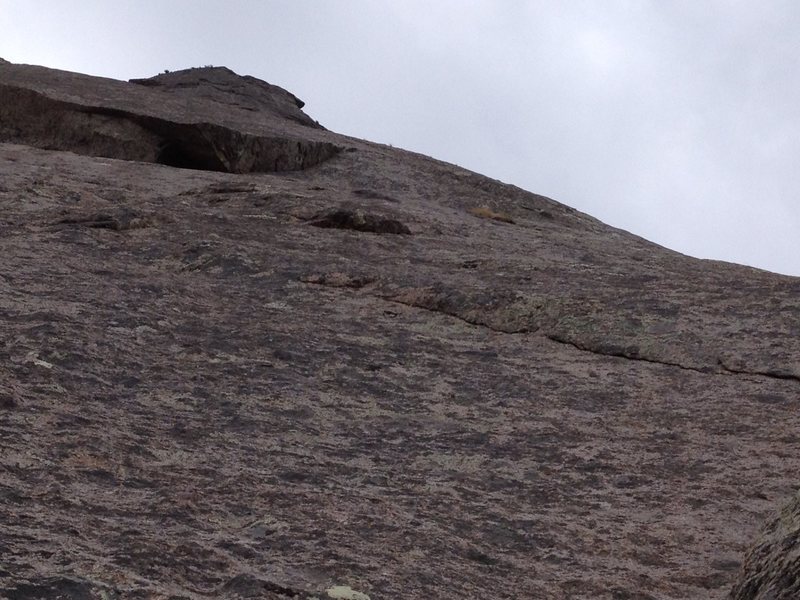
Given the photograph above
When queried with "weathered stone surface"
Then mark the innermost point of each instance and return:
(358, 220)
(225, 88)
(212, 397)
(58, 588)
(771, 570)
(197, 119)
(117, 219)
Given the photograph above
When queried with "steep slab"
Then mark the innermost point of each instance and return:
(383, 375)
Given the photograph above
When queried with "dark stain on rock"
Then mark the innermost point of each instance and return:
(338, 279)
(55, 588)
(121, 219)
(248, 586)
(375, 195)
(358, 220)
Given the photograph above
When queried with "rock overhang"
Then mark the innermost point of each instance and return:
(226, 123)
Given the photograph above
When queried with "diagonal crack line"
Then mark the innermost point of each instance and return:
(559, 340)
(723, 368)
(455, 316)
(780, 375)
(394, 300)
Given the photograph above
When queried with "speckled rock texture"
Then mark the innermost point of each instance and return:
(377, 375)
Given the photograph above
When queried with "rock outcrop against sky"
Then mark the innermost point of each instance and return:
(244, 356)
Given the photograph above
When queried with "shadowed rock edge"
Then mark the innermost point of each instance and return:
(31, 118)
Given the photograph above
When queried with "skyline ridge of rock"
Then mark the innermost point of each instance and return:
(245, 356)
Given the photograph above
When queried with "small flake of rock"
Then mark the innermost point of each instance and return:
(117, 220)
(359, 220)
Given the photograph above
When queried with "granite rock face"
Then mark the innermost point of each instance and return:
(363, 373)
(205, 118)
(222, 86)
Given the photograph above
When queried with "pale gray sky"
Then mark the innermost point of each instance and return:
(676, 120)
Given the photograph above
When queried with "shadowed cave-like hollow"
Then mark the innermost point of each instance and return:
(209, 147)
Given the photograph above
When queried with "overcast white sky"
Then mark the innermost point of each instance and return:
(676, 120)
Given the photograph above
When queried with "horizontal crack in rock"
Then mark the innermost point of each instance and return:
(781, 375)
(724, 369)
(339, 280)
(470, 321)
(622, 354)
